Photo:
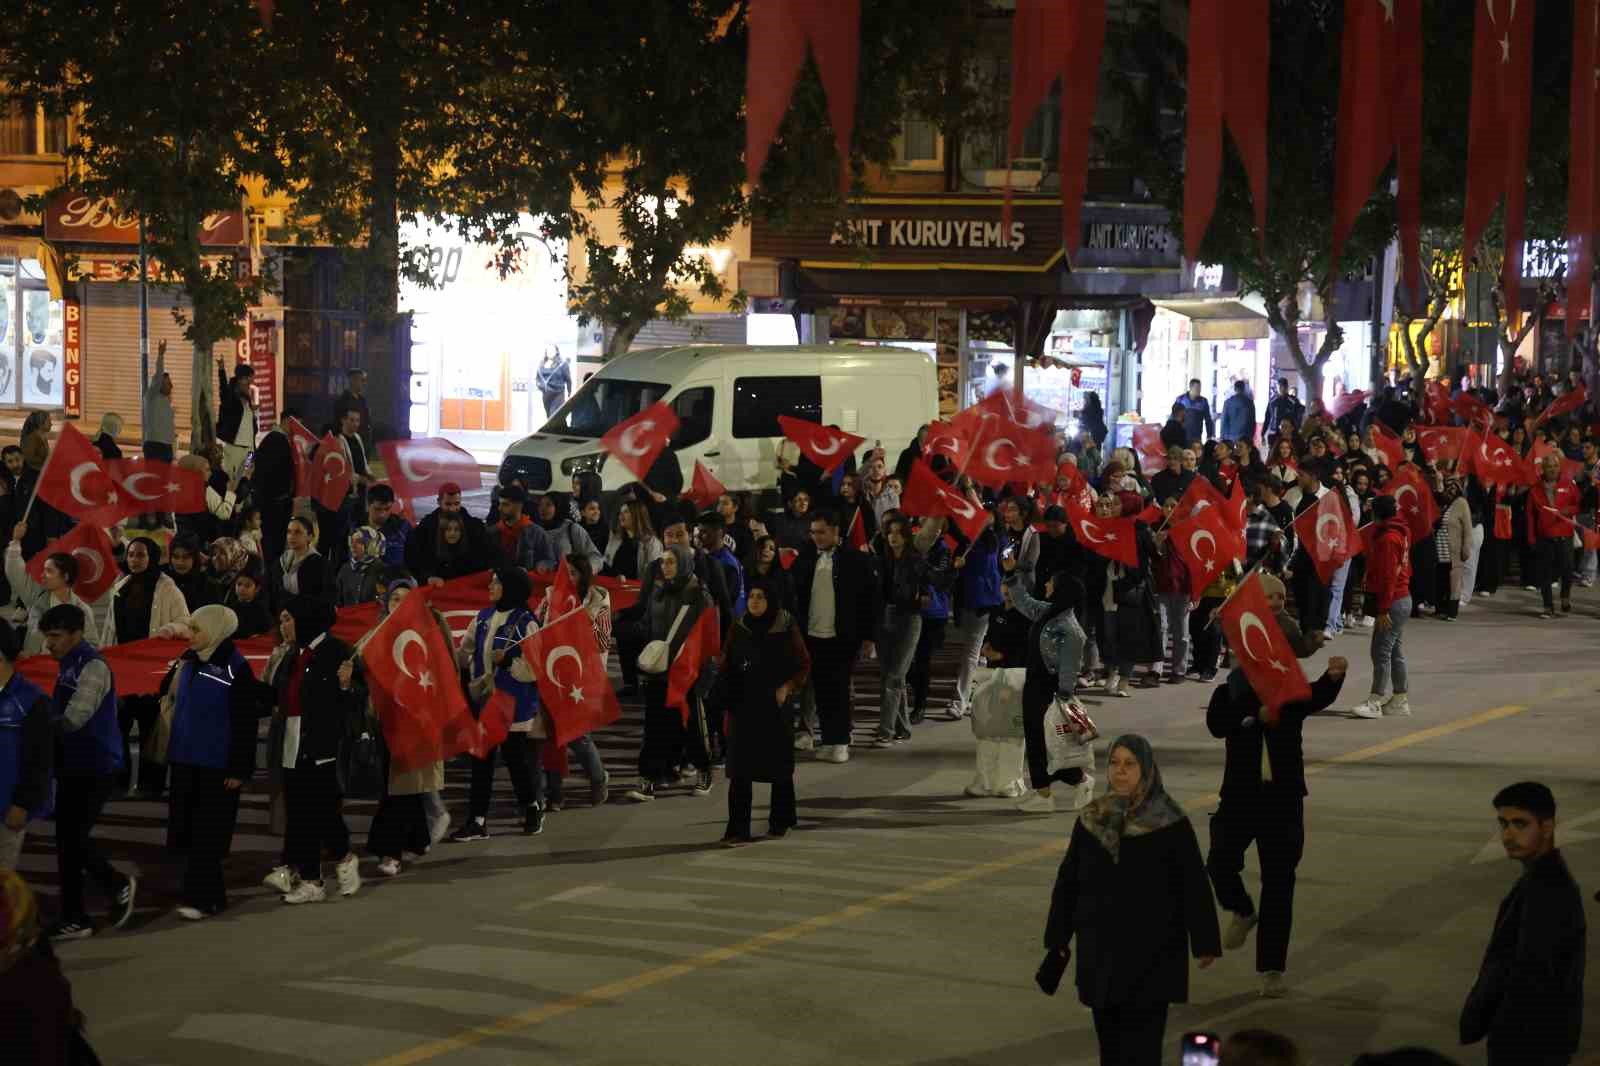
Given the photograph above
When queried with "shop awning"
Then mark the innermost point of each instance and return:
(1219, 320)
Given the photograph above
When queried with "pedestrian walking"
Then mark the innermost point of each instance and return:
(27, 750)
(1389, 584)
(1132, 891)
(1053, 657)
(596, 604)
(977, 600)
(554, 380)
(903, 573)
(1552, 503)
(1527, 1002)
(836, 596)
(672, 737)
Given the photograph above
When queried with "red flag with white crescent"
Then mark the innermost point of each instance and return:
(1327, 531)
(1264, 653)
(1207, 544)
(1414, 500)
(779, 33)
(91, 548)
(155, 485)
(1393, 449)
(424, 713)
(75, 481)
(422, 466)
(331, 470)
(1116, 539)
(927, 497)
(571, 673)
(1495, 462)
(638, 441)
(823, 445)
(1008, 452)
(1148, 447)
(302, 446)
(1498, 129)
(1230, 45)
(1441, 444)
(703, 644)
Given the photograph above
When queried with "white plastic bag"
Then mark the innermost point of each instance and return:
(1069, 736)
(997, 704)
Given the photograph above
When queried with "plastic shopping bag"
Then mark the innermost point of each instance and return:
(997, 704)
(1069, 736)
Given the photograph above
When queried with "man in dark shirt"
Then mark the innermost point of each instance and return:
(1528, 999)
(1196, 414)
(1282, 408)
(1172, 482)
(354, 399)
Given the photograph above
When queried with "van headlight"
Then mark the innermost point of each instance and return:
(583, 464)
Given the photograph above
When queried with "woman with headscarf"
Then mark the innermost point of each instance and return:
(224, 559)
(675, 604)
(357, 579)
(301, 570)
(1053, 658)
(487, 651)
(1133, 891)
(313, 680)
(554, 516)
(186, 570)
(212, 752)
(106, 439)
(764, 664)
(595, 602)
(402, 821)
(39, 1025)
(144, 603)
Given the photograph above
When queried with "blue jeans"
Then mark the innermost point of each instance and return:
(897, 645)
(1175, 616)
(968, 635)
(1388, 657)
(1336, 598)
(588, 757)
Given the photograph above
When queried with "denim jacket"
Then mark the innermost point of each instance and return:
(1061, 644)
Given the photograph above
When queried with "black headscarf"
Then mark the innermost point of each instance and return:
(563, 511)
(138, 596)
(760, 626)
(312, 618)
(515, 588)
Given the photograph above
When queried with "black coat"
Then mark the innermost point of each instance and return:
(1135, 920)
(274, 469)
(1238, 721)
(422, 547)
(328, 714)
(1528, 998)
(855, 594)
(753, 666)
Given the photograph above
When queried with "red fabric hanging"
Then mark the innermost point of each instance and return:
(1230, 49)
(780, 31)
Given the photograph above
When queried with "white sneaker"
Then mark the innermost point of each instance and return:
(349, 872)
(1272, 985)
(1015, 790)
(1037, 803)
(804, 742)
(281, 878)
(192, 914)
(955, 710)
(389, 868)
(1238, 931)
(1371, 707)
(438, 828)
(1083, 793)
(1113, 679)
(834, 753)
(1397, 706)
(1367, 621)
(977, 791)
(306, 892)
(1120, 689)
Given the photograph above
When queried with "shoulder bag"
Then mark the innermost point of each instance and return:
(656, 657)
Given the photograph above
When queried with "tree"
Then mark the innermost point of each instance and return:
(169, 105)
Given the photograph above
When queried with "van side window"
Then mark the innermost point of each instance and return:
(757, 403)
(693, 408)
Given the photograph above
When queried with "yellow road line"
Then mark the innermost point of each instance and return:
(615, 990)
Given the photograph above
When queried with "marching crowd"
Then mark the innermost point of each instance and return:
(837, 567)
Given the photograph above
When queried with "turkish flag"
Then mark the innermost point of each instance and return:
(1199, 496)
(1436, 402)
(1394, 451)
(787, 556)
(779, 31)
(154, 485)
(88, 543)
(947, 440)
(1496, 463)
(1571, 469)
(703, 644)
(823, 445)
(1230, 46)
(1344, 403)
(1264, 653)
(577, 694)
(1327, 531)
(638, 441)
(1414, 499)
(858, 531)
(1472, 410)
(330, 473)
(1002, 404)
(1239, 505)
(1498, 130)
(1442, 443)
(1380, 116)
(1116, 539)
(1564, 404)
(1207, 544)
(562, 598)
(1591, 539)
(423, 710)
(1008, 452)
(1050, 42)
(1150, 516)
(75, 481)
(926, 496)
(704, 488)
(418, 468)
(1583, 160)
(303, 445)
(1148, 447)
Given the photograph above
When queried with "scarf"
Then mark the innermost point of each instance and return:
(1112, 817)
(685, 560)
(563, 512)
(217, 623)
(761, 626)
(138, 596)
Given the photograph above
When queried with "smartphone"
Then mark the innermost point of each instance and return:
(1200, 1049)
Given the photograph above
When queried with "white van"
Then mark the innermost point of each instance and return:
(728, 400)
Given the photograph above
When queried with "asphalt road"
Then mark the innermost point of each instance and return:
(900, 924)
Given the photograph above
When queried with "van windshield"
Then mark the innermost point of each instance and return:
(601, 403)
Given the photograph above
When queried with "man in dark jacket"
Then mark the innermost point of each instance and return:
(1283, 408)
(836, 601)
(1263, 801)
(422, 546)
(1171, 482)
(1239, 414)
(274, 485)
(1196, 414)
(354, 398)
(911, 453)
(27, 749)
(1528, 999)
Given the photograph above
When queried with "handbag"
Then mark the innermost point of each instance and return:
(362, 761)
(657, 655)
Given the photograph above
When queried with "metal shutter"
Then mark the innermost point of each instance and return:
(111, 356)
(695, 329)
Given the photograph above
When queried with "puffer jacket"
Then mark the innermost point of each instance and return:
(1061, 642)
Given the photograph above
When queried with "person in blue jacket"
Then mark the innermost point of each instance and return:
(27, 750)
(1239, 414)
(88, 756)
(1196, 410)
(212, 752)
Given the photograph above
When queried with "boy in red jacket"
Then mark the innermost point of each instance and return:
(1551, 504)
(1389, 583)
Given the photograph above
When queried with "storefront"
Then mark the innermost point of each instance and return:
(32, 331)
(1219, 341)
(477, 339)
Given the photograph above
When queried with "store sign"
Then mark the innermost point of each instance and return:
(1126, 237)
(263, 340)
(929, 233)
(73, 216)
(72, 339)
(898, 233)
(126, 268)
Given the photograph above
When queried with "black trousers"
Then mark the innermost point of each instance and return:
(521, 755)
(145, 711)
(1517, 1055)
(1553, 562)
(831, 662)
(1038, 692)
(1491, 564)
(741, 797)
(1131, 1035)
(1205, 639)
(79, 801)
(920, 675)
(157, 450)
(628, 649)
(1311, 597)
(400, 825)
(1275, 823)
(209, 812)
(312, 802)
